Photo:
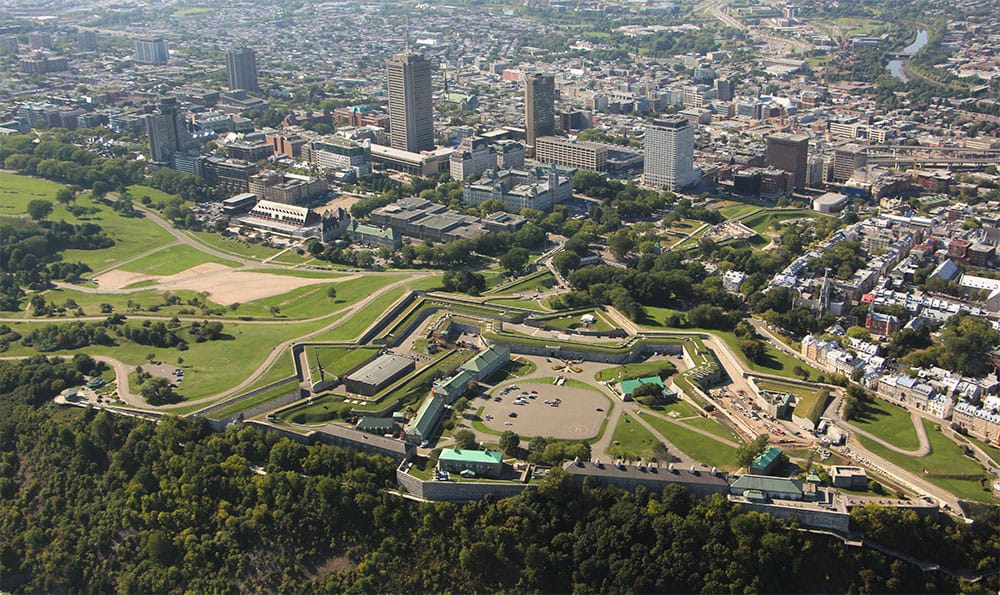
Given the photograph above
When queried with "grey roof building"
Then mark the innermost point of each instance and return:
(378, 374)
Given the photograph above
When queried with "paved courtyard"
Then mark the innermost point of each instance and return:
(576, 418)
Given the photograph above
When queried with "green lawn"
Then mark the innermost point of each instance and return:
(635, 370)
(16, 191)
(572, 321)
(137, 191)
(149, 301)
(356, 324)
(132, 235)
(631, 439)
(519, 303)
(761, 222)
(713, 426)
(337, 361)
(697, 446)
(172, 260)
(808, 403)
(257, 400)
(991, 451)
(234, 246)
(281, 368)
(211, 367)
(512, 369)
(946, 459)
(737, 211)
(540, 281)
(890, 423)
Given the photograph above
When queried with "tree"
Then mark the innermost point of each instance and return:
(157, 391)
(65, 196)
(465, 440)
(751, 450)
(39, 209)
(515, 259)
(510, 442)
(620, 244)
(566, 262)
(331, 293)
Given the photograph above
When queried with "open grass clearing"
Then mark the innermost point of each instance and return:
(16, 191)
(236, 246)
(697, 446)
(631, 439)
(637, 370)
(518, 303)
(283, 367)
(292, 386)
(538, 282)
(809, 403)
(890, 423)
(738, 210)
(941, 466)
(211, 367)
(336, 360)
(132, 235)
(172, 260)
(574, 321)
(711, 425)
(356, 324)
(763, 221)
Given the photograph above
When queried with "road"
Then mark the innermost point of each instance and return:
(780, 45)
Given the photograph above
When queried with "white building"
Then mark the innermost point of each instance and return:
(669, 159)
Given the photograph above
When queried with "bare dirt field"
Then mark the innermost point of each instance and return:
(223, 284)
(576, 418)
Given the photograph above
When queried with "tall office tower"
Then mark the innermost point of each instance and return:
(8, 44)
(539, 108)
(241, 68)
(40, 40)
(411, 111)
(669, 160)
(151, 50)
(167, 134)
(724, 89)
(86, 40)
(789, 152)
(846, 160)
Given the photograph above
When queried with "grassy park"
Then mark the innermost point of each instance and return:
(631, 439)
(337, 360)
(946, 466)
(697, 446)
(172, 260)
(890, 423)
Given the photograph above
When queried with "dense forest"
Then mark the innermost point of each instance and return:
(91, 501)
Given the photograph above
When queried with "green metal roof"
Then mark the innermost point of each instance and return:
(767, 484)
(486, 358)
(633, 383)
(427, 416)
(376, 424)
(453, 455)
(766, 458)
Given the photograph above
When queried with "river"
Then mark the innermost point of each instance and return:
(895, 67)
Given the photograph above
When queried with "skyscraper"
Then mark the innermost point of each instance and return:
(241, 69)
(411, 111)
(151, 51)
(789, 152)
(669, 159)
(86, 40)
(166, 133)
(539, 107)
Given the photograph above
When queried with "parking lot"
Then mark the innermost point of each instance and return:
(578, 414)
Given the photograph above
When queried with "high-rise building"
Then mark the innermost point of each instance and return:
(241, 69)
(669, 159)
(411, 111)
(539, 107)
(40, 40)
(166, 133)
(789, 152)
(86, 40)
(846, 160)
(151, 51)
